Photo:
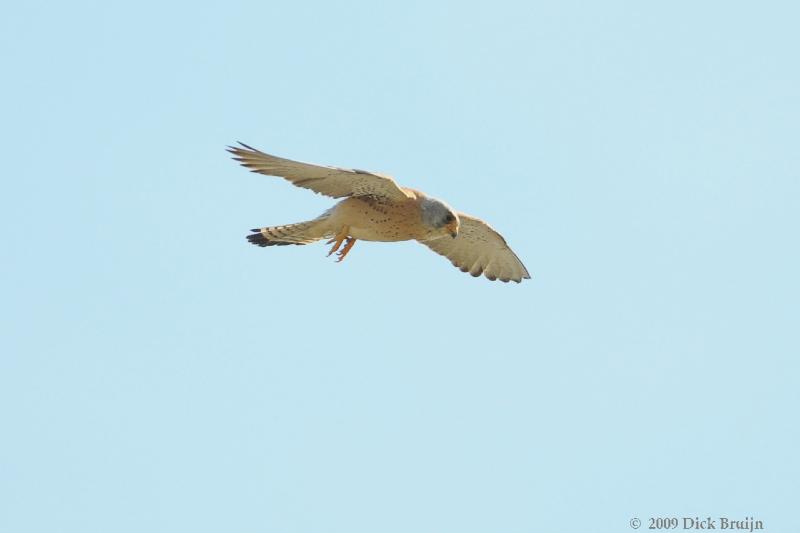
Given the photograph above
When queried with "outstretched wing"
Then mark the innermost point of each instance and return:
(479, 249)
(330, 181)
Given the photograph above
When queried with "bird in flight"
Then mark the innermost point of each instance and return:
(376, 208)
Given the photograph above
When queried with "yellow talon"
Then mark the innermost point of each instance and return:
(350, 242)
(338, 239)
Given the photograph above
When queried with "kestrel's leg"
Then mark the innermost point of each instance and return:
(338, 239)
(350, 242)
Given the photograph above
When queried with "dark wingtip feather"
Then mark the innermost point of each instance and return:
(247, 146)
(237, 151)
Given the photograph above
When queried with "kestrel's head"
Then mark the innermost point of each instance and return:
(440, 217)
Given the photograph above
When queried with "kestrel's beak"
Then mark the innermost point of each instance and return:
(452, 228)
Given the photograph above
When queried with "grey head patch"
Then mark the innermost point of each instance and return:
(435, 213)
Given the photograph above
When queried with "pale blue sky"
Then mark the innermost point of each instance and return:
(160, 374)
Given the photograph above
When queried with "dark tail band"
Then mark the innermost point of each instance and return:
(259, 240)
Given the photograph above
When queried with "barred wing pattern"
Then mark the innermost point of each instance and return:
(330, 181)
(479, 249)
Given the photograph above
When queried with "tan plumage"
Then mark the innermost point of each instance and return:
(479, 249)
(376, 208)
(330, 181)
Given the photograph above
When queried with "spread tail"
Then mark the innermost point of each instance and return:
(300, 233)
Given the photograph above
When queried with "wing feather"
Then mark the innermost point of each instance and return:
(479, 249)
(330, 181)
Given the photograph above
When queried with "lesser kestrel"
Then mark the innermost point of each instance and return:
(376, 208)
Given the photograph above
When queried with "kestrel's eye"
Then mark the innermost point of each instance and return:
(449, 218)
